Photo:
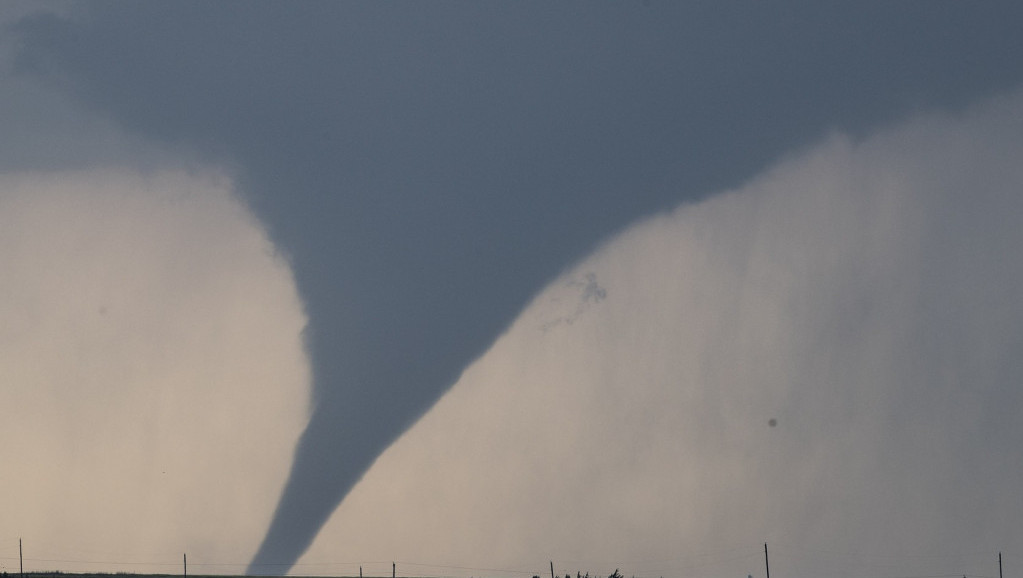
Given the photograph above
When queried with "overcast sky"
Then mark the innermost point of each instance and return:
(423, 170)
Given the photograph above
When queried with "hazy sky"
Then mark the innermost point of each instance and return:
(421, 171)
(140, 410)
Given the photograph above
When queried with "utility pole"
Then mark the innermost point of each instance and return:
(184, 558)
(392, 569)
(360, 571)
(21, 561)
(552, 568)
(767, 565)
(999, 565)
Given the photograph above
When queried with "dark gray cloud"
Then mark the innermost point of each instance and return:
(428, 167)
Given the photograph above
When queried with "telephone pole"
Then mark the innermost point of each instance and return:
(184, 558)
(767, 565)
(21, 561)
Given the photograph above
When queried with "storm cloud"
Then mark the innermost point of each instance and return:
(427, 168)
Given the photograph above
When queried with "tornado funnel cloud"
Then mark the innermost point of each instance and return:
(319, 480)
(355, 420)
(321, 475)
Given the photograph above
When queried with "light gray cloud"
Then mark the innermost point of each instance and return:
(154, 379)
(863, 293)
